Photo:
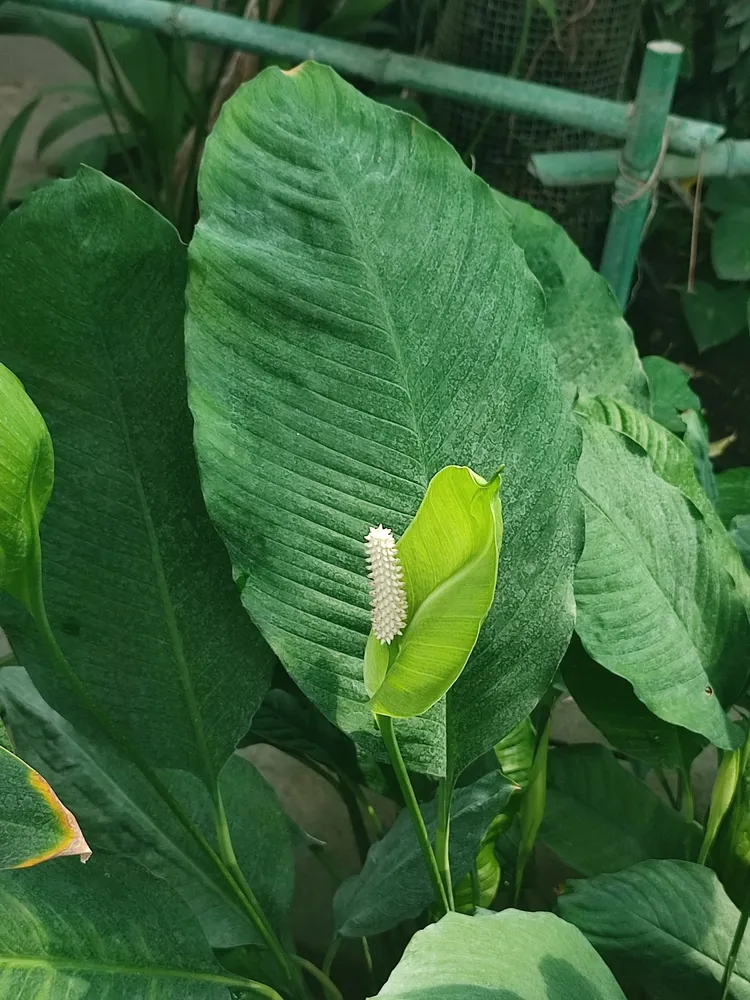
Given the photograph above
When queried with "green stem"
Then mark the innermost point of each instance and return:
(442, 837)
(330, 989)
(330, 955)
(735, 947)
(385, 725)
(687, 806)
(249, 904)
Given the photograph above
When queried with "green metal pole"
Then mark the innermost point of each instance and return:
(729, 158)
(641, 157)
(502, 93)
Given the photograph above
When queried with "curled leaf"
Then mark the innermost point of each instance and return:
(449, 555)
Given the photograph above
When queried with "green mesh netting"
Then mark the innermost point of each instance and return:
(588, 52)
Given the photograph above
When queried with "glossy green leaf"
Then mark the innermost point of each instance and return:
(600, 818)
(347, 337)
(733, 488)
(10, 140)
(532, 807)
(661, 592)
(105, 929)
(501, 956)
(593, 343)
(480, 885)
(394, 885)
(714, 315)
(70, 33)
(722, 794)
(664, 925)
(137, 585)
(34, 825)
(670, 392)
(449, 556)
(66, 121)
(731, 858)
(730, 247)
(26, 476)
(120, 812)
(609, 702)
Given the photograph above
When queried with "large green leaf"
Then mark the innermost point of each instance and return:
(600, 818)
(660, 589)
(714, 315)
(449, 556)
(394, 884)
(670, 392)
(26, 475)
(665, 925)
(359, 317)
(593, 343)
(120, 812)
(34, 825)
(137, 585)
(501, 956)
(609, 702)
(106, 929)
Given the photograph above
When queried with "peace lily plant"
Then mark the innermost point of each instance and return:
(370, 332)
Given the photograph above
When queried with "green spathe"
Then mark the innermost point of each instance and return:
(449, 556)
(26, 475)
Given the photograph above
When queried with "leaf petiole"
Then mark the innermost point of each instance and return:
(387, 731)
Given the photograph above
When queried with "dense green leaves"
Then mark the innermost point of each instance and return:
(107, 929)
(665, 925)
(449, 556)
(661, 592)
(359, 317)
(137, 585)
(34, 824)
(120, 812)
(593, 343)
(501, 956)
(733, 488)
(600, 818)
(26, 474)
(394, 885)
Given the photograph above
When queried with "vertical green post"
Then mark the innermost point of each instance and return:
(641, 156)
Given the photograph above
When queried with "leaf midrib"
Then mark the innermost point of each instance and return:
(170, 617)
(57, 964)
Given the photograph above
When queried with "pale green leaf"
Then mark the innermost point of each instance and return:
(664, 925)
(105, 929)
(601, 818)
(394, 884)
(359, 317)
(501, 956)
(34, 824)
(670, 392)
(26, 475)
(660, 589)
(449, 557)
(120, 812)
(515, 753)
(137, 584)
(593, 344)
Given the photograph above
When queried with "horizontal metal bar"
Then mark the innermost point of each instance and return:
(729, 158)
(381, 66)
